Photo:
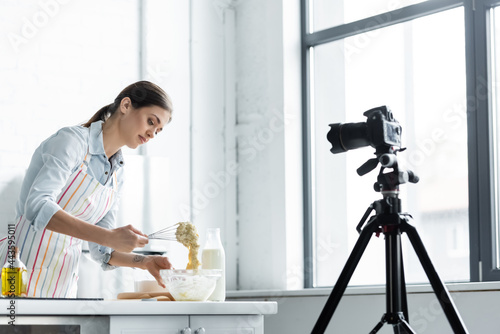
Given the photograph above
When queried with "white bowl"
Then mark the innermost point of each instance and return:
(190, 285)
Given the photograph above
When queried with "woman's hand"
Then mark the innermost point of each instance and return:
(126, 239)
(122, 239)
(153, 264)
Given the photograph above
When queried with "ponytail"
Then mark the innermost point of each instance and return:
(141, 94)
(101, 115)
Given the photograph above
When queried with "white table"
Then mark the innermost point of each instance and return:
(136, 316)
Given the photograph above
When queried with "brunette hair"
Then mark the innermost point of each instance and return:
(142, 94)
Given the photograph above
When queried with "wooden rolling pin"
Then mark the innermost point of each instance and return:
(159, 296)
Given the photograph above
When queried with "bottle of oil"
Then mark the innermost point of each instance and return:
(14, 275)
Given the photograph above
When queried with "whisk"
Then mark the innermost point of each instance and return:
(168, 233)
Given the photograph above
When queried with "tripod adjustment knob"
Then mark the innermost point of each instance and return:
(388, 160)
(403, 177)
(412, 177)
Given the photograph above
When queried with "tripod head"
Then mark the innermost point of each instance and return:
(388, 183)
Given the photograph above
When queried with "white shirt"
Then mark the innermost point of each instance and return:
(52, 164)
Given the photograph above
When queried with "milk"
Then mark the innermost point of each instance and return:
(213, 257)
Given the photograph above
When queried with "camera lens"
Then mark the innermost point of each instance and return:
(348, 136)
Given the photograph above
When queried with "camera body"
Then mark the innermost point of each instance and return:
(381, 131)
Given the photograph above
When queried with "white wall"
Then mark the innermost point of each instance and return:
(246, 137)
(226, 168)
(213, 201)
(43, 85)
(60, 62)
(269, 144)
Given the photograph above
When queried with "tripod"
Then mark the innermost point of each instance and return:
(392, 223)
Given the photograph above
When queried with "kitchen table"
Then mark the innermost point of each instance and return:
(135, 316)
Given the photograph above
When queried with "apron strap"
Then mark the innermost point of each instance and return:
(85, 165)
(115, 182)
(86, 161)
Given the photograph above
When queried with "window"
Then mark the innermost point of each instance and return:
(330, 13)
(495, 109)
(413, 59)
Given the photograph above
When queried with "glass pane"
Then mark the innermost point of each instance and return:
(408, 68)
(330, 13)
(495, 109)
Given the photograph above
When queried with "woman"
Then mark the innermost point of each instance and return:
(70, 189)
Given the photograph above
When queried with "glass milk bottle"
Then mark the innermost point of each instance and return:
(213, 257)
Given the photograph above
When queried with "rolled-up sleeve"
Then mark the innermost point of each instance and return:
(55, 160)
(102, 254)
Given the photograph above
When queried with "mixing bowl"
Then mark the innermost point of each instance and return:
(190, 285)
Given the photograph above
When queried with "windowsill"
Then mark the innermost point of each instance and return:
(361, 290)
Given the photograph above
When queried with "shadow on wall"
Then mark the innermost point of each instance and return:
(8, 198)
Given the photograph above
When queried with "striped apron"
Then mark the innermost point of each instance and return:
(52, 258)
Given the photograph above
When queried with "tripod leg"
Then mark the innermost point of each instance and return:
(438, 286)
(404, 300)
(345, 276)
(378, 326)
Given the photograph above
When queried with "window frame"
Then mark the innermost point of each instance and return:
(480, 157)
(480, 134)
